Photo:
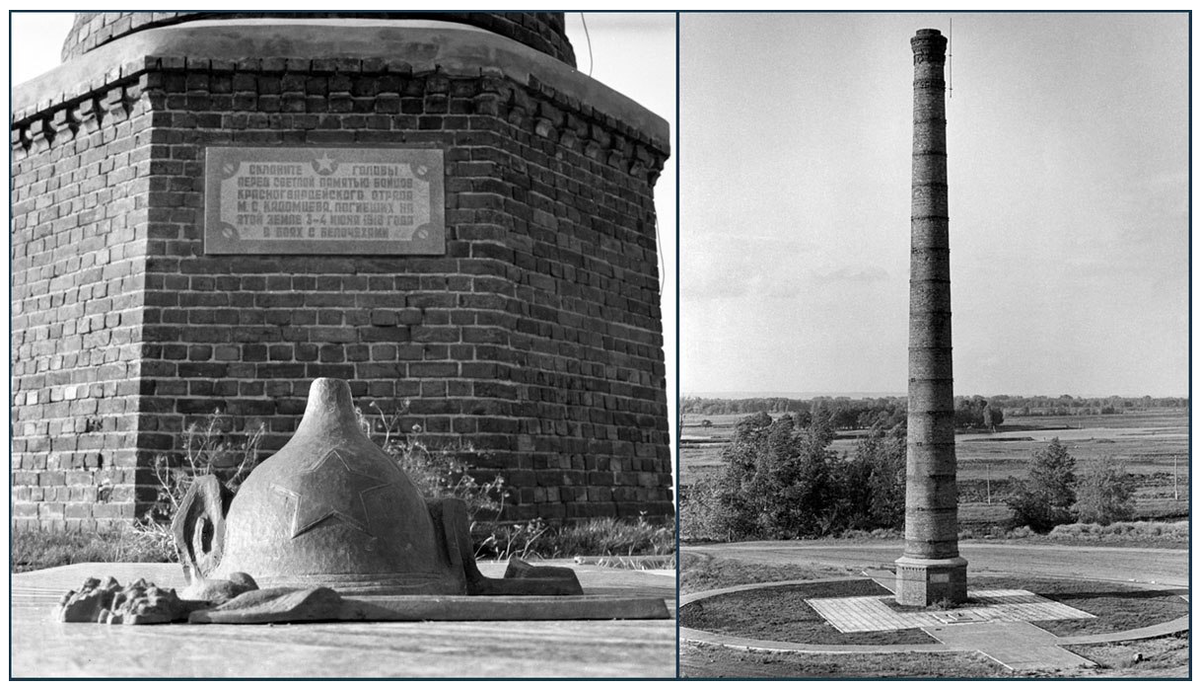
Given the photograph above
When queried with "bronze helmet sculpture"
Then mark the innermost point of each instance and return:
(332, 509)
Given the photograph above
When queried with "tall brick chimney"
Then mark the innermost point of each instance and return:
(931, 569)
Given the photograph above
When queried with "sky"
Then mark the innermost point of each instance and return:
(633, 53)
(1068, 143)
(1068, 181)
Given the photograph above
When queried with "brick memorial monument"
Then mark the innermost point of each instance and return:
(931, 569)
(211, 210)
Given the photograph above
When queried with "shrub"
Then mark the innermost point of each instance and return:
(439, 472)
(871, 489)
(1105, 493)
(503, 541)
(209, 448)
(701, 514)
(780, 480)
(1044, 498)
(1176, 531)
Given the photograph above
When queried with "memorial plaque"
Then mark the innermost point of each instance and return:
(324, 201)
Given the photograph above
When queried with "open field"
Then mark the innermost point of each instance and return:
(1152, 445)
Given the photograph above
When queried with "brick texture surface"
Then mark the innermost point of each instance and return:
(542, 31)
(79, 227)
(536, 340)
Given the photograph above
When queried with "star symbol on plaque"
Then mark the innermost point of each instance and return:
(331, 488)
(325, 164)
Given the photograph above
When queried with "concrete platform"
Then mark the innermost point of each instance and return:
(871, 613)
(1015, 644)
(42, 647)
(1019, 646)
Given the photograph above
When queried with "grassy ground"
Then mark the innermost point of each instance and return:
(638, 563)
(35, 549)
(1157, 658)
(1171, 535)
(607, 537)
(781, 614)
(32, 549)
(1154, 658)
(709, 662)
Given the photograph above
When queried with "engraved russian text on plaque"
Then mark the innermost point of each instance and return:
(324, 201)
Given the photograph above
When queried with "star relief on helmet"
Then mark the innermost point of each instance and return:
(330, 488)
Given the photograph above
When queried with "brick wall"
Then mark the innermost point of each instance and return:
(536, 339)
(79, 227)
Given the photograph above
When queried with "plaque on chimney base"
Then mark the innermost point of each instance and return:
(324, 201)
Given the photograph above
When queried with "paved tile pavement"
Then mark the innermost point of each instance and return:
(870, 613)
(1016, 645)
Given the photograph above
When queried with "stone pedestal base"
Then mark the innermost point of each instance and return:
(921, 583)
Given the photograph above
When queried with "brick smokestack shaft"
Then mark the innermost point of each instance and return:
(931, 569)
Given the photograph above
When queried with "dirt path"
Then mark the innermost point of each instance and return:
(1146, 565)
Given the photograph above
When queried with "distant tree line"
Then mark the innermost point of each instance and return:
(1066, 405)
(888, 412)
(839, 414)
(843, 405)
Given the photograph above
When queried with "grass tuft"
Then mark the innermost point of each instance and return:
(607, 537)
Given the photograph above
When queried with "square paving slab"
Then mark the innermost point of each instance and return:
(42, 647)
(871, 613)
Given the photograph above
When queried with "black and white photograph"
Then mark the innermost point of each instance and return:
(879, 479)
(657, 344)
(342, 344)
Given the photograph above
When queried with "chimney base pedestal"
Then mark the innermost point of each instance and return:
(921, 583)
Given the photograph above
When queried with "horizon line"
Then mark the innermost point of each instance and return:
(801, 395)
